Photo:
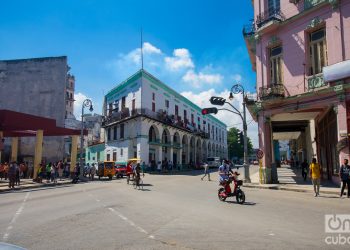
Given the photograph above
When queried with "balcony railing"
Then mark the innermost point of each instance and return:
(249, 30)
(269, 15)
(308, 4)
(272, 91)
(161, 116)
(316, 81)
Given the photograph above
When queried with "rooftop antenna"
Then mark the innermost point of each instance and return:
(141, 51)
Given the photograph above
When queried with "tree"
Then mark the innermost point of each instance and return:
(236, 149)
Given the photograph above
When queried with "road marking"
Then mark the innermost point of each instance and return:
(14, 218)
(130, 222)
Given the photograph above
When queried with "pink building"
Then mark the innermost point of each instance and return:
(300, 50)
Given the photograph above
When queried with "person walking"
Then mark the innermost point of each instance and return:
(53, 173)
(304, 168)
(344, 174)
(159, 166)
(2, 171)
(315, 174)
(206, 171)
(92, 171)
(18, 174)
(12, 175)
(6, 170)
(48, 172)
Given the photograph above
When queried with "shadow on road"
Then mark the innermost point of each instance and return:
(247, 203)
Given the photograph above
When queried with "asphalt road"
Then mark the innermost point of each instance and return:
(172, 212)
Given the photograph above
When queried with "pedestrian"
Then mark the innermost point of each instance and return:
(53, 173)
(48, 172)
(206, 171)
(170, 165)
(315, 174)
(30, 169)
(60, 169)
(2, 171)
(18, 174)
(159, 166)
(304, 169)
(344, 173)
(12, 175)
(92, 171)
(6, 170)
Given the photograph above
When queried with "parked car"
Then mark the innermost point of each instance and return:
(213, 162)
(120, 169)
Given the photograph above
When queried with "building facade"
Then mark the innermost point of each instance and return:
(145, 118)
(37, 86)
(300, 50)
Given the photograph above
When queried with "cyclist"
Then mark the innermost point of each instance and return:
(129, 171)
(137, 173)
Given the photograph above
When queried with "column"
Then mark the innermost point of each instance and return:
(179, 158)
(14, 148)
(143, 150)
(171, 152)
(38, 152)
(73, 153)
(265, 145)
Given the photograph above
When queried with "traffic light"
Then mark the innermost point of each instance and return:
(208, 111)
(216, 100)
(241, 137)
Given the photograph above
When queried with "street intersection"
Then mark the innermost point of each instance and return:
(172, 212)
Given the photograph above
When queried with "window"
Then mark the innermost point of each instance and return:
(98, 156)
(122, 131)
(116, 105)
(133, 105)
(167, 103)
(114, 156)
(192, 118)
(153, 97)
(153, 107)
(318, 51)
(121, 152)
(185, 114)
(123, 101)
(209, 129)
(274, 6)
(276, 65)
(71, 96)
(110, 108)
(199, 123)
(115, 133)
(109, 134)
(176, 110)
(88, 156)
(108, 157)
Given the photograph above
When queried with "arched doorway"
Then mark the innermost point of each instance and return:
(185, 153)
(153, 140)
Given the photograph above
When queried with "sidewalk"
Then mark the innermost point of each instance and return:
(291, 180)
(29, 183)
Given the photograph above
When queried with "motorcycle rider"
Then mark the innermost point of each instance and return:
(224, 171)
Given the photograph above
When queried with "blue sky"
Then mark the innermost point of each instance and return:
(195, 46)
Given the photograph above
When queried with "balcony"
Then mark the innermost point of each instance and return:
(271, 15)
(315, 82)
(161, 116)
(308, 4)
(250, 41)
(273, 91)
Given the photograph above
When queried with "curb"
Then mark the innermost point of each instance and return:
(36, 185)
(290, 189)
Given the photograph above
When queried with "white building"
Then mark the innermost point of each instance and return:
(145, 118)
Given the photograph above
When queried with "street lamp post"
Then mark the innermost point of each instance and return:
(86, 103)
(236, 89)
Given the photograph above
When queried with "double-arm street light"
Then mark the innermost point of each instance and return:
(236, 89)
(86, 103)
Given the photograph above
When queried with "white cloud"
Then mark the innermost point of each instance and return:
(198, 80)
(181, 59)
(150, 49)
(230, 119)
(79, 99)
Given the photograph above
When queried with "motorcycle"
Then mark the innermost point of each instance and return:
(226, 190)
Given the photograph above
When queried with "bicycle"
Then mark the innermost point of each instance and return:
(138, 182)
